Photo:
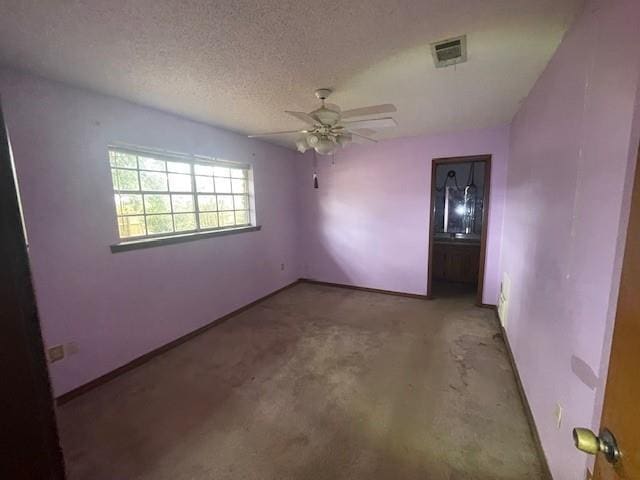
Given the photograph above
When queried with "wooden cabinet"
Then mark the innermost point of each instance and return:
(456, 262)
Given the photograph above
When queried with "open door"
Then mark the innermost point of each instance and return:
(618, 444)
(29, 447)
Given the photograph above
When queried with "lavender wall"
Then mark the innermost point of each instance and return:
(367, 225)
(119, 306)
(566, 198)
(572, 155)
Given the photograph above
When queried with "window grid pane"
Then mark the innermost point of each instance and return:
(160, 197)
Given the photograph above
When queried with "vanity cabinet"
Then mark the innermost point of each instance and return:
(456, 262)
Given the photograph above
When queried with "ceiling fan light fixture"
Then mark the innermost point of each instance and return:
(325, 146)
(313, 139)
(302, 145)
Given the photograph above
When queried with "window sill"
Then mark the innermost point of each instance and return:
(170, 240)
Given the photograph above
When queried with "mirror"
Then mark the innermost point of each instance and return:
(459, 200)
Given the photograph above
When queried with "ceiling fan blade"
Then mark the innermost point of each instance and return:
(367, 132)
(276, 133)
(305, 117)
(362, 136)
(373, 123)
(372, 110)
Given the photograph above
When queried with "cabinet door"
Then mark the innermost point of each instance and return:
(461, 263)
(473, 266)
(438, 262)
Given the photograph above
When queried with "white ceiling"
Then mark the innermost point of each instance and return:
(238, 64)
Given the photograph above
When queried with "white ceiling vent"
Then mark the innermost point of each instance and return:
(449, 52)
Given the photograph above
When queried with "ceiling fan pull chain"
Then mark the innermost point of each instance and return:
(315, 169)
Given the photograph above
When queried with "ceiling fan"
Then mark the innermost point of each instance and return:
(327, 129)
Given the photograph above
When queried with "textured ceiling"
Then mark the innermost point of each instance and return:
(239, 64)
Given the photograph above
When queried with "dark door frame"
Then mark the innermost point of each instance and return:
(29, 446)
(486, 159)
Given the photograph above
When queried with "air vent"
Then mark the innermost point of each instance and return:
(449, 52)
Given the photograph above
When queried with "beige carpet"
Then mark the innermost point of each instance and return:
(316, 382)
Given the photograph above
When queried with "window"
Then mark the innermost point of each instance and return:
(162, 195)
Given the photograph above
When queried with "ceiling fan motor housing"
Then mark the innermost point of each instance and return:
(326, 116)
(323, 93)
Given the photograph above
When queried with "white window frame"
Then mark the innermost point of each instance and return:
(192, 160)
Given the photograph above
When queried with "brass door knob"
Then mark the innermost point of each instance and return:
(588, 442)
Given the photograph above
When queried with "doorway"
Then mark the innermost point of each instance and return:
(460, 189)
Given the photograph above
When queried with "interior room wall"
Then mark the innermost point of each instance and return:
(368, 223)
(572, 154)
(116, 307)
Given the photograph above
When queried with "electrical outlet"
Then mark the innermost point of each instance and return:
(71, 348)
(557, 413)
(502, 310)
(505, 286)
(282, 267)
(56, 353)
(503, 299)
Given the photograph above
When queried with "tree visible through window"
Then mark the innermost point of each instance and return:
(159, 196)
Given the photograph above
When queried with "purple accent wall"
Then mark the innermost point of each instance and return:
(573, 149)
(368, 223)
(60, 136)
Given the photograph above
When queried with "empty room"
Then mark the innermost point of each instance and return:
(272, 240)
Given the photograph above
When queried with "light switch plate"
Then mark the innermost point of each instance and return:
(55, 353)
